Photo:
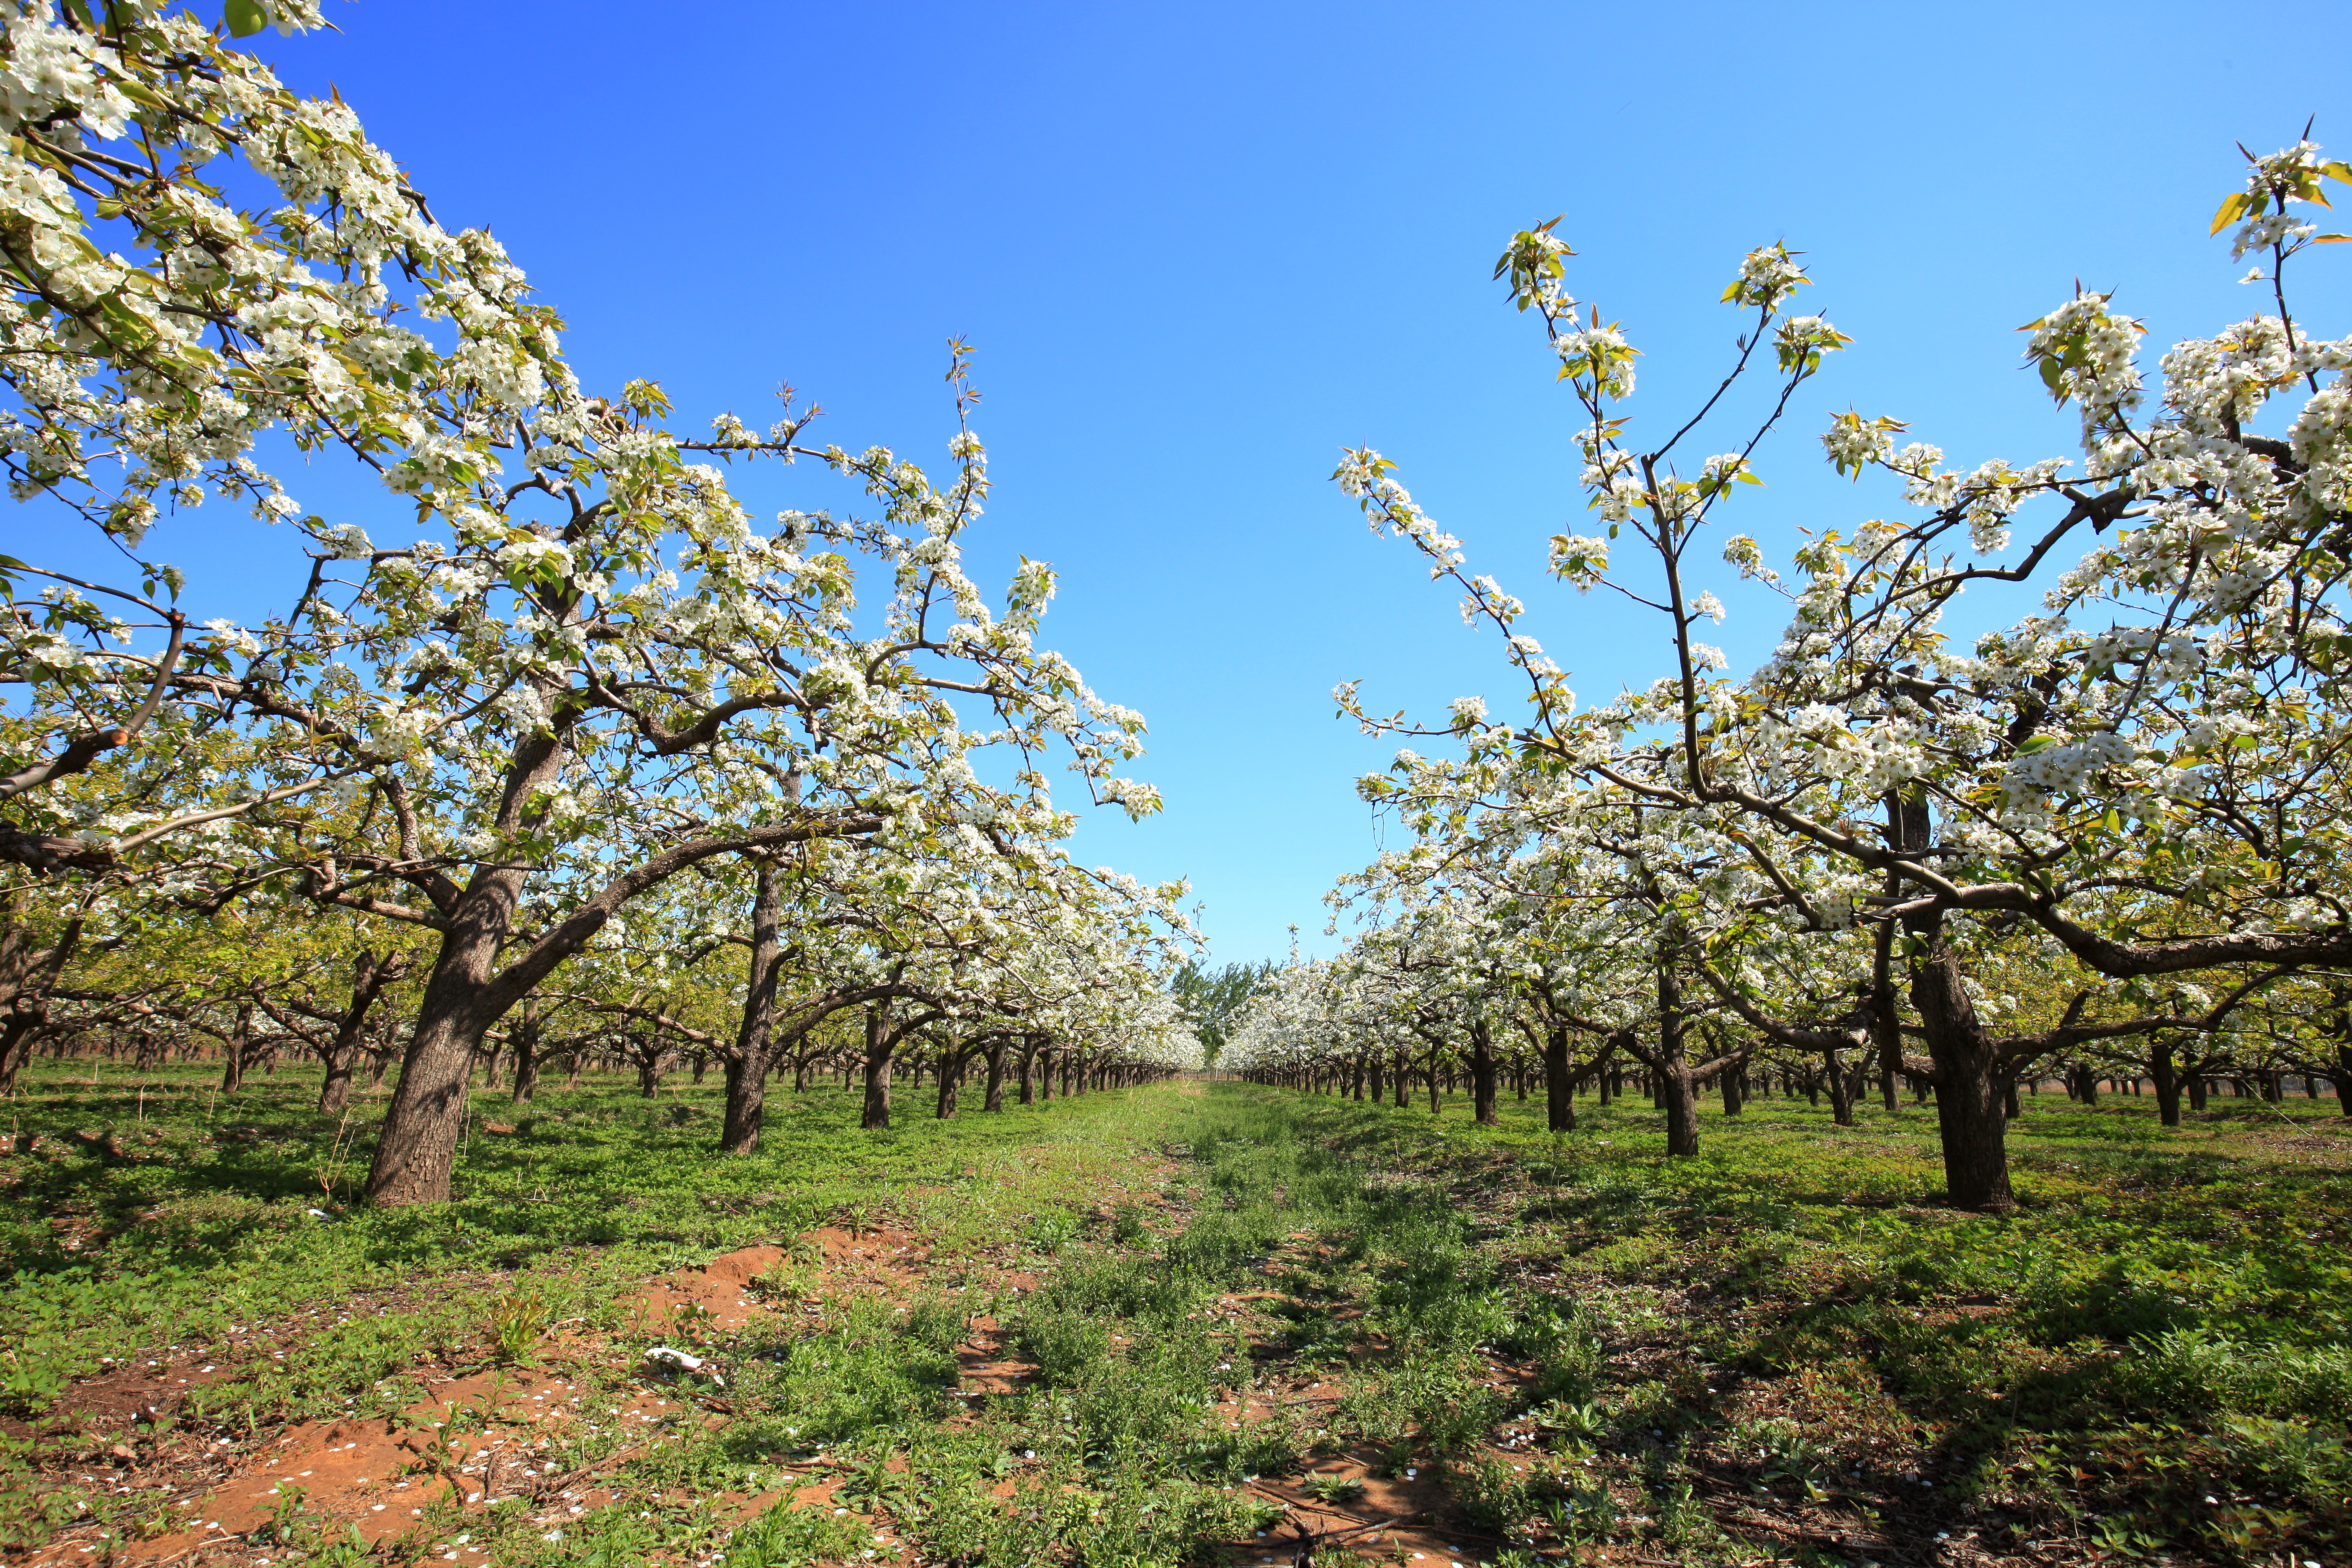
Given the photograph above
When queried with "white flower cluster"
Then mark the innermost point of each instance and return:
(1767, 278)
(1578, 560)
(1600, 356)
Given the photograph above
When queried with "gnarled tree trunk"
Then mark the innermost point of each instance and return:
(1559, 1087)
(527, 1031)
(1482, 1074)
(238, 1041)
(1841, 1092)
(2167, 1082)
(1672, 1069)
(1968, 1108)
(995, 1101)
(747, 1066)
(952, 1066)
(418, 1146)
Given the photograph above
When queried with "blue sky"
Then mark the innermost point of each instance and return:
(1198, 248)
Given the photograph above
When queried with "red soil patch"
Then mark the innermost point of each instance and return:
(383, 1476)
(984, 1366)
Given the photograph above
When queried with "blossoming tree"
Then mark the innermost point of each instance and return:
(2146, 766)
(557, 667)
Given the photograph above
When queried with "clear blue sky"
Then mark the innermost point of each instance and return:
(1200, 248)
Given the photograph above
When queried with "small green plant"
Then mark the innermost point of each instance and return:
(352, 1551)
(877, 1483)
(29, 1517)
(785, 1281)
(440, 1448)
(1785, 1455)
(291, 1525)
(1570, 1369)
(1064, 1345)
(1053, 1230)
(1495, 1496)
(937, 1324)
(1684, 1519)
(789, 1537)
(1332, 1488)
(693, 1322)
(1581, 1515)
(154, 1522)
(1571, 1428)
(2125, 1538)
(515, 1322)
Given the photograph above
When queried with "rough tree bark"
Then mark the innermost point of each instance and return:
(2167, 1080)
(239, 1040)
(884, 1031)
(1671, 1067)
(28, 975)
(952, 1069)
(746, 1066)
(995, 1099)
(1559, 1089)
(1968, 1110)
(1482, 1074)
(526, 1044)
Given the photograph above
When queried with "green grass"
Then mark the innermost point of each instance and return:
(1600, 1351)
(227, 1233)
(236, 1211)
(2150, 1356)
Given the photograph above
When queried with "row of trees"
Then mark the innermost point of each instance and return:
(247, 1018)
(232, 990)
(560, 734)
(2110, 828)
(1389, 1018)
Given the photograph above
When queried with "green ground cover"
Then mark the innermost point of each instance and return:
(226, 1213)
(2151, 1357)
(1525, 1348)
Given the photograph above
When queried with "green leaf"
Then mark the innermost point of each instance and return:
(2230, 208)
(2033, 743)
(245, 17)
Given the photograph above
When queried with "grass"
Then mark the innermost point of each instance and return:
(2149, 1358)
(1144, 1328)
(223, 1215)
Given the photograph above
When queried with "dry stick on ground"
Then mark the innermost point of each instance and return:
(1403, 1519)
(1290, 1507)
(1801, 1534)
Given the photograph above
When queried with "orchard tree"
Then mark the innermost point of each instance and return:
(2145, 765)
(570, 668)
